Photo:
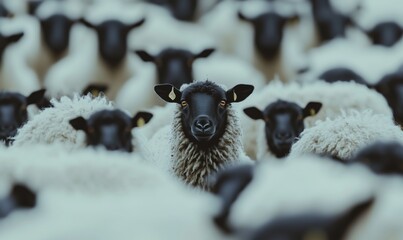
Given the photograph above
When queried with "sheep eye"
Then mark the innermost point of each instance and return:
(158, 62)
(91, 130)
(23, 107)
(190, 62)
(299, 118)
(184, 104)
(223, 103)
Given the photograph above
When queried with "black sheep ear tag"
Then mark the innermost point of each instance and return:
(141, 119)
(79, 123)
(312, 108)
(239, 93)
(168, 93)
(253, 113)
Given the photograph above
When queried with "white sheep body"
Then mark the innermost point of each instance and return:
(335, 98)
(319, 185)
(343, 136)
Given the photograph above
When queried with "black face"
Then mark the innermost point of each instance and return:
(228, 185)
(386, 34)
(174, 66)
(204, 108)
(268, 29)
(382, 157)
(330, 23)
(284, 123)
(13, 112)
(110, 128)
(343, 75)
(20, 197)
(391, 87)
(312, 226)
(4, 13)
(112, 39)
(7, 40)
(56, 32)
(183, 10)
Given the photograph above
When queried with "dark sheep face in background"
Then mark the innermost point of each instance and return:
(56, 32)
(110, 128)
(391, 87)
(4, 13)
(13, 112)
(386, 34)
(112, 39)
(284, 123)
(330, 23)
(312, 225)
(382, 158)
(204, 108)
(7, 40)
(268, 33)
(174, 66)
(184, 10)
(342, 75)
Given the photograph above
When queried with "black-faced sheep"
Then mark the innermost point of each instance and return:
(284, 122)
(205, 135)
(13, 112)
(110, 128)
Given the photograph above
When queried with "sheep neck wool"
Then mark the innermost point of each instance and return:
(193, 164)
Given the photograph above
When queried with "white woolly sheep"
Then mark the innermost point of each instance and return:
(258, 31)
(99, 58)
(118, 185)
(328, 189)
(334, 98)
(343, 136)
(203, 140)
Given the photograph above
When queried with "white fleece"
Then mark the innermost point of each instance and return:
(345, 135)
(335, 98)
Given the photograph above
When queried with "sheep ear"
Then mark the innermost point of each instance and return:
(239, 93)
(205, 53)
(145, 56)
(14, 38)
(33, 6)
(141, 119)
(87, 24)
(79, 123)
(36, 97)
(242, 17)
(168, 93)
(23, 196)
(95, 89)
(311, 109)
(136, 24)
(350, 216)
(253, 113)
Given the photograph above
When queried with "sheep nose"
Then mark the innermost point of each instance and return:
(283, 135)
(203, 124)
(112, 147)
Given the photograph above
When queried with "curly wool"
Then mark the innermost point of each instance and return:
(345, 135)
(193, 164)
(52, 124)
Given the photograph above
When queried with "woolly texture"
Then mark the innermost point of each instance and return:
(335, 98)
(193, 164)
(52, 124)
(300, 185)
(345, 135)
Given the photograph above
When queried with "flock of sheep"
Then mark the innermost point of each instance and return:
(201, 119)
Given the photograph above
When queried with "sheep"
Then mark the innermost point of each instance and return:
(381, 157)
(90, 180)
(343, 136)
(258, 31)
(334, 97)
(110, 128)
(382, 23)
(179, 66)
(284, 122)
(204, 136)
(52, 124)
(13, 112)
(99, 58)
